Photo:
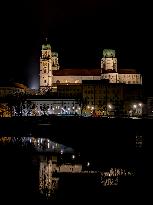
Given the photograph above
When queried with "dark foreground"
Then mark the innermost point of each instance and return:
(19, 183)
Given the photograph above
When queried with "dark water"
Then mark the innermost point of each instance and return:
(26, 177)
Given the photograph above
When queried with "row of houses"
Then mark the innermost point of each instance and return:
(98, 97)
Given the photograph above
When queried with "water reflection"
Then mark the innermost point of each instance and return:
(39, 144)
(54, 163)
(47, 183)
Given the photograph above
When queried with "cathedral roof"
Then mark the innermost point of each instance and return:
(77, 72)
(89, 72)
(127, 71)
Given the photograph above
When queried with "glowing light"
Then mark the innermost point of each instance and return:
(134, 106)
(76, 81)
(140, 104)
(88, 164)
(110, 106)
(73, 156)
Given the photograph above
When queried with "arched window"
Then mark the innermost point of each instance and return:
(57, 81)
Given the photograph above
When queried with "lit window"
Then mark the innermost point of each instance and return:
(76, 81)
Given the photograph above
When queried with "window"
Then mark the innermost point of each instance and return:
(44, 70)
(44, 81)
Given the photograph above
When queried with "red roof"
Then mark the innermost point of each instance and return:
(77, 72)
(88, 72)
(127, 71)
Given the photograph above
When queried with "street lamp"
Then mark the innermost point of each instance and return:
(110, 106)
(134, 106)
(137, 109)
(88, 164)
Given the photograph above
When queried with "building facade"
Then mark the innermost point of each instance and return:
(103, 98)
(46, 106)
(70, 91)
(51, 75)
(109, 70)
(48, 63)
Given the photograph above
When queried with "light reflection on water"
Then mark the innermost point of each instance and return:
(47, 183)
(48, 180)
(40, 144)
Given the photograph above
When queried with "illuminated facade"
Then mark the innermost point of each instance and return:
(103, 98)
(50, 75)
(109, 70)
(40, 106)
(48, 63)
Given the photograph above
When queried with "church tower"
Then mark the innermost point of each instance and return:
(48, 63)
(109, 61)
(109, 66)
(45, 67)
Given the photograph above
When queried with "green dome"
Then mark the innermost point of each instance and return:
(108, 53)
(46, 47)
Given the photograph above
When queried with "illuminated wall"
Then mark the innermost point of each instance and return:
(73, 79)
(48, 62)
(109, 62)
(109, 70)
(130, 78)
(113, 77)
(53, 106)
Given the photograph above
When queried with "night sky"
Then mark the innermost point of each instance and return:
(78, 30)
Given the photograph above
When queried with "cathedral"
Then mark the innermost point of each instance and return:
(51, 74)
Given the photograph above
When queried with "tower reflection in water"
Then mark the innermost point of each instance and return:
(47, 183)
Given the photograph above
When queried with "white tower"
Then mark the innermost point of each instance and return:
(109, 66)
(48, 63)
(109, 62)
(55, 64)
(45, 67)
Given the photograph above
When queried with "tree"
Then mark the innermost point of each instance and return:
(83, 104)
(44, 108)
(16, 103)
